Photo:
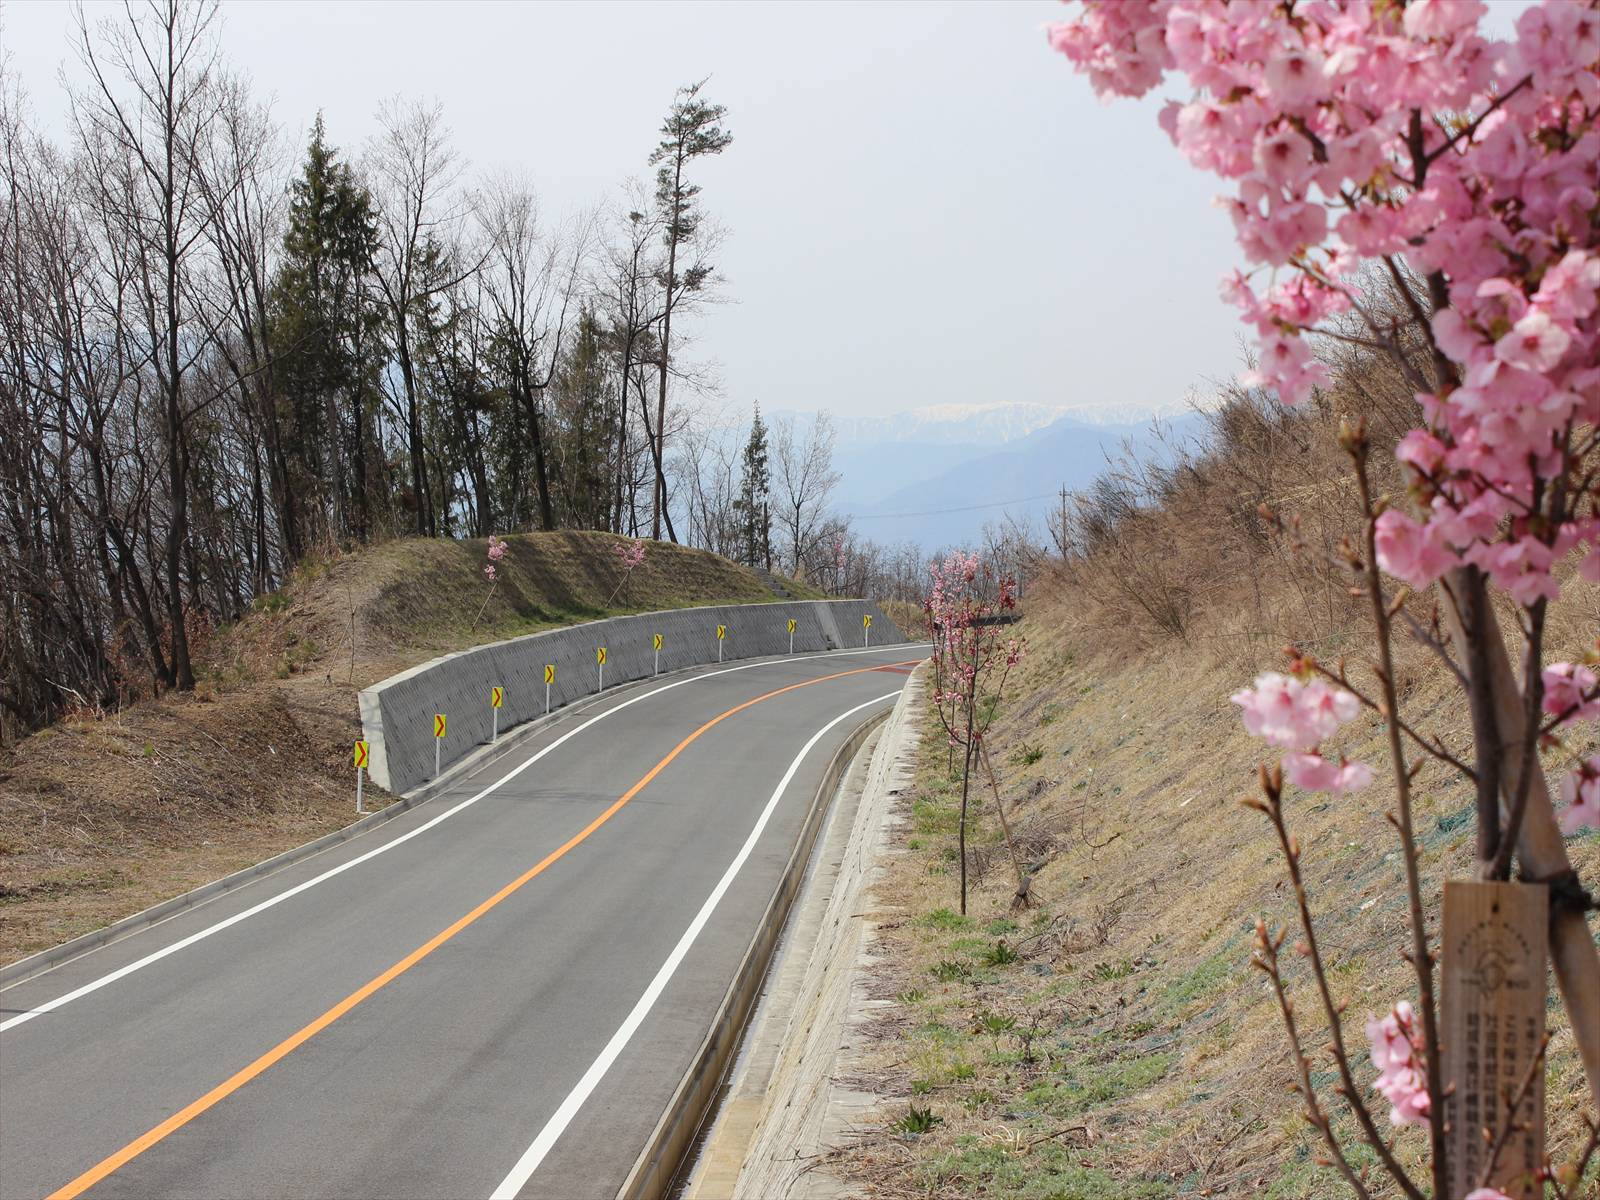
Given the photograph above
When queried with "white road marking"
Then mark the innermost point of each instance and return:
(557, 1124)
(273, 901)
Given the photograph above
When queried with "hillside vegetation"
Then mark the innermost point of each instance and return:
(103, 815)
(1113, 1041)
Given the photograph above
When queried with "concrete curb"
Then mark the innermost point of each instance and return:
(663, 1154)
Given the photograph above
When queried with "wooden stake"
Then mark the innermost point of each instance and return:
(1493, 998)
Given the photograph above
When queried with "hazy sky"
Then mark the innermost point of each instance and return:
(924, 204)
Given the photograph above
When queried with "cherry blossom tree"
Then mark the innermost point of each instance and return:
(973, 656)
(630, 555)
(491, 572)
(1396, 143)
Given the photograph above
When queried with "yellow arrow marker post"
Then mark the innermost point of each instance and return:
(600, 661)
(497, 697)
(438, 740)
(549, 678)
(866, 629)
(655, 642)
(722, 632)
(792, 623)
(362, 755)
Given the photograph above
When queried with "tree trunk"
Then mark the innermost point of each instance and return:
(1540, 847)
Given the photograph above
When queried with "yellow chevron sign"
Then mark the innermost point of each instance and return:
(362, 753)
(600, 655)
(792, 624)
(497, 696)
(722, 632)
(549, 672)
(866, 621)
(438, 725)
(656, 642)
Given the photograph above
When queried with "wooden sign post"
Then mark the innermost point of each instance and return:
(1492, 1001)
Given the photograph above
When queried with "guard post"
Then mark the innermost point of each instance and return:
(363, 752)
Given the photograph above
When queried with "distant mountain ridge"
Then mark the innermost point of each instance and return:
(936, 475)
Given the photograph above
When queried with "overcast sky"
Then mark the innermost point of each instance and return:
(924, 204)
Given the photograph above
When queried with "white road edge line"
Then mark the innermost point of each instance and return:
(50, 1006)
(557, 1124)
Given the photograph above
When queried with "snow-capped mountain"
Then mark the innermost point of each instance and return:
(950, 424)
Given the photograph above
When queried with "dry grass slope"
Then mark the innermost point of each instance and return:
(1113, 1041)
(101, 816)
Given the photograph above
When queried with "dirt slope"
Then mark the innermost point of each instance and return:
(1113, 1042)
(101, 816)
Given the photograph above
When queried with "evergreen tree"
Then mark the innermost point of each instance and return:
(326, 321)
(753, 508)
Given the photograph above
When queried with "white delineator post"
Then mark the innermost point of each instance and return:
(438, 740)
(361, 751)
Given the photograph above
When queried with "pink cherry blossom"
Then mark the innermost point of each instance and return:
(1487, 1193)
(1314, 773)
(1402, 1079)
(1573, 689)
(1580, 791)
(488, 571)
(1306, 112)
(1535, 342)
(1409, 550)
(1296, 716)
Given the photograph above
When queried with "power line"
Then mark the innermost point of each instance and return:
(939, 512)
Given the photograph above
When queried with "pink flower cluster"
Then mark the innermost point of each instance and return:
(629, 554)
(1571, 692)
(1581, 792)
(1402, 1078)
(1354, 131)
(1298, 716)
(966, 637)
(497, 551)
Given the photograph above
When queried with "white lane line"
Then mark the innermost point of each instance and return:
(273, 901)
(557, 1124)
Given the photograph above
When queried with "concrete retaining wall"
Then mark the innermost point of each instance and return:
(397, 714)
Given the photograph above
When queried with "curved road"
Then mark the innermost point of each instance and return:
(494, 994)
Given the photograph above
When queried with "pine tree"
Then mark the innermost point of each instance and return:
(691, 131)
(753, 508)
(326, 321)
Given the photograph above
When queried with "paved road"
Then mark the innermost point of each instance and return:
(493, 994)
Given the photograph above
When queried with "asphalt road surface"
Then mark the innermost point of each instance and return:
(494, 994)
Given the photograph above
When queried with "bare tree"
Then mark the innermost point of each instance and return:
(805, 480)
(414, 170)
(150, 108)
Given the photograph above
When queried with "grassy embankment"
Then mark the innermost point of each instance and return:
(1113, 1041)
(103, 816)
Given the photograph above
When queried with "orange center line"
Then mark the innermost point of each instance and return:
(225, 1089)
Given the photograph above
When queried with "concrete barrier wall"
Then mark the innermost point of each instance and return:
(397, 714)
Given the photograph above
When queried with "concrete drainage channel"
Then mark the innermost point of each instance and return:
(669, 1144)
(698, 1146)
